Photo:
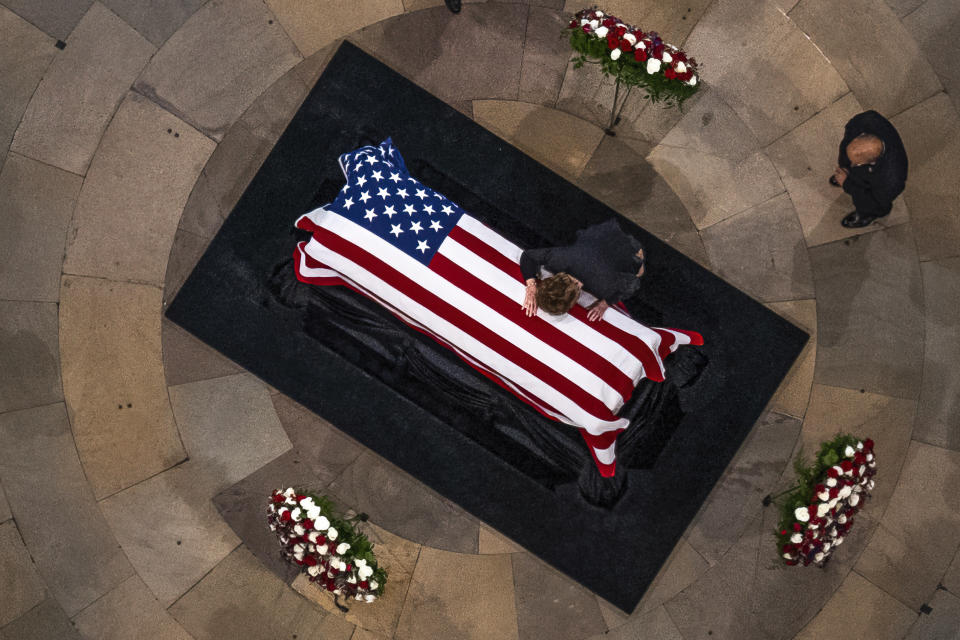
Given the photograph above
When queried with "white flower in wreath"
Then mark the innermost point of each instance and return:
(873, 465)
(667, 57)
(273, 527)
(849, 451)
(290, 493)
(360, 562)
(859, 446)
(299, 548)
(298, 556)
(870, 486)
(307, 503)
(692, 81)
(323, 549)
(788, 556)
(818, 557)
(861, 470)
(602, 32)
(822, 509)
(801, 514)
(842, 519)
(838, 541)
(282, 511)
(824, 495)
(594, 24)
(351, 580)
(332, 534)
(339, 592)
(369, 597)
(629, 37)
(796, 538)
(681, 68)
(615, 54)
(833, 502)
(342, 548)
(854, 499)
(313, 571)
(314, 513)
(374, 584)
(826, 547)
(653, 65)
(365, 572)
(845, 492)
(358, 597)
(313, 535)
(321, 523)
(299, 530)
(640, 45)
(271, 509)
(831, 482)
(290, 501)
(599, 14)
(857, 488)
(584, 22)
(296, 513)
(869, 457)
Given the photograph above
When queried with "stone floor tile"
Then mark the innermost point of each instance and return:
(30, 375)
(26, 53)
(938, 412)
(45, 621)
(710, 126)
(794, 392)
(761, 251)
(651, 625)
(184, 254)
(737, 498)
(270, 113)
(201, 215)
(915, 544)
(21, 589)
(805, 158)
(4, 505)
(904, 7)
(786, 5)
(889, 74)
(476, 54)
(765, 68)
(363, 634)
(869, 315)
(886, 420)
(491, 541)
(681, 569)
(186, 359)
(310, 69)
(951, 579)
(550, 604)
(156, 20)
(112, 366)
(455, 595)
(241, 599)
(715, 188)
(943, 623)
(244, 50)
(931, 135)
(613, 616)
(588, 94)
(556, 139)
(399, 558)
(323, 447)
(935, 26)
(546, 51)
(228, 426)
(38, 202)
(418, 5)
(403, 505)
(864, 610)
(134, 194)
(170, 530)
(129, 612)
(313, 25)
(56, 18)
(81, 90)
(73, 549)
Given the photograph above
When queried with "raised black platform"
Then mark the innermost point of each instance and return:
(230, 302)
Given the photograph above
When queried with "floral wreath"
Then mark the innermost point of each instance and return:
(818, 513)
(328, 548)
(633, 57)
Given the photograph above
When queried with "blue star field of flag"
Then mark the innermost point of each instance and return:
(382, 197)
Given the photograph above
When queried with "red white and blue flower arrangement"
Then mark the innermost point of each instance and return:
(326, 547)
(818, 513)
(634, 58)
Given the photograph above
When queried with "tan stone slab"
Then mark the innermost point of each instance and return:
(229, 428)
(310, 69)
(4, 506)
(45, 621)
(395, 554)
(129, 612)
(714, 188)
(21, 588)
(241, 599)
(554, 138)
(184, 254)
(805, 159)
(863, 609)
(25, 55)
(53, 17)
(546, 51)
(68, 538)
(766, 69)
(942, 622)
(681, 569)
(133, 196)
(931, 135)
(459, 595)
(888, 421)
(906, 556)
(110, 355)
(155, 19)
(314, 25)
(186, 359)
(243, 49)
(552, 605)
(491, 541)
(710, 126)
(888, 73)
(81, 90)
(38, 200)
(794, 392)
(654, 624)
(363, 634)
(30, 373)
(170, 530)
(936, 28)
(951, 579)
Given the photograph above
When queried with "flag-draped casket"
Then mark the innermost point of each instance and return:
(445, 273)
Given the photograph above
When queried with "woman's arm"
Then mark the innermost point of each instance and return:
(530, 297)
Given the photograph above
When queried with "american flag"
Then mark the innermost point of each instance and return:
(445, 273)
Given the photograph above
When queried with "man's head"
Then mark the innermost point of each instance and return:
(864, 149)
(557, 294)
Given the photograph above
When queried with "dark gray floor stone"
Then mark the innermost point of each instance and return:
(156, 20)
(550, 605)
(46, 621)
(29, 342)
(545, 54)
(55, 17)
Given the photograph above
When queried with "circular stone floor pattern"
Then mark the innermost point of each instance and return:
(130, 130)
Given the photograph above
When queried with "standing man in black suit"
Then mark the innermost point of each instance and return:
(872, 167)
(453, 5)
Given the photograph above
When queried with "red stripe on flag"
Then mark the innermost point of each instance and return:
(488, 253)
(538, 327)
(465, 323)
(602, 441)
(666, 341)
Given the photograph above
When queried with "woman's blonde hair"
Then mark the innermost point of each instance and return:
(557, 294)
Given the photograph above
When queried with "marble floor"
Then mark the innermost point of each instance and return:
(131, 127)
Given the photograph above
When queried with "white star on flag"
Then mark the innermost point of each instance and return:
(409, 208)
(402, 193)
(421, 194)
(395, 177)
(371, 214)
(447, 209)
(364, 197)
(383, 193)
(348, 203)
(396, 230)
(390, 211)
(416, 228)
(372, 160)
(422, 246)
(362, 180)
(435, 225)
(376, 176)
(428, 209)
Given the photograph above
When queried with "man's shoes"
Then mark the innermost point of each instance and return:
(833, 181)
(453, 5)
(855, 220)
